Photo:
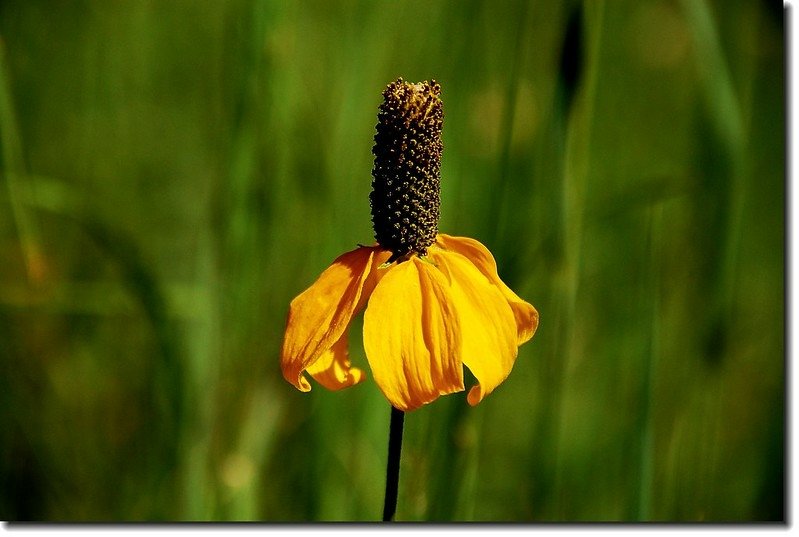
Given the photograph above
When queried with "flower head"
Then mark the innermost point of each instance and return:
(406, 175)
(434, 302)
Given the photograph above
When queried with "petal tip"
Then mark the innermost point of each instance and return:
(302, 384)
(475, 395)
(354, 376)
(526, 321)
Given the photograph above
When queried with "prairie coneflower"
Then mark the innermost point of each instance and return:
(434, 302)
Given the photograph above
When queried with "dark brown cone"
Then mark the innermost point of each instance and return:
(406, 175)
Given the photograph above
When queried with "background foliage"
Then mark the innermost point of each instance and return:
(174, 173)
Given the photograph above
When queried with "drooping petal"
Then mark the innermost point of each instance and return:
(379, 269)
(320, 315)
(333, 369)
(525, 314)
(487, 323)
(411, 335)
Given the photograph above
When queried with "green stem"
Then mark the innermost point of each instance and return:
(393, 465)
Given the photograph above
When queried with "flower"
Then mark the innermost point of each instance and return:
(433, 302)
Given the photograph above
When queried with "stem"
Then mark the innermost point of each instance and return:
(393, 465)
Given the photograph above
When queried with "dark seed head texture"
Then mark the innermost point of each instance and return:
(406, 175)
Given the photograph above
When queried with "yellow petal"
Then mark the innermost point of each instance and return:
(378, 268)
(488, 326)
(411, 336)
(320, 315)
(525, 314)
(333, 369)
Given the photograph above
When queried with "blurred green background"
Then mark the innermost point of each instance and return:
(174, 173)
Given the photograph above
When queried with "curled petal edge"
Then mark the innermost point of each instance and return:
(525, 314)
